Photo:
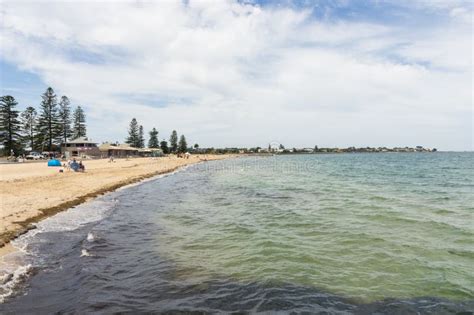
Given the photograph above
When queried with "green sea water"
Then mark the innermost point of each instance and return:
(363, 226)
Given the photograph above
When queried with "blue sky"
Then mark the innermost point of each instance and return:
(246, 73)
(25, 86)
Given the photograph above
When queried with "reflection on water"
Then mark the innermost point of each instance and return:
(350, 233)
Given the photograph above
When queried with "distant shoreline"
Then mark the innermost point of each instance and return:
(292, 153)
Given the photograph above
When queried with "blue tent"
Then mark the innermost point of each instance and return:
(54, 163)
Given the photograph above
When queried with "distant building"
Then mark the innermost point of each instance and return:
(80, 147)
(125, 150)
(117, 151)
(150, 152)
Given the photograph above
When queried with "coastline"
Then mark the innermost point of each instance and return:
(31, 192)
(227, 221)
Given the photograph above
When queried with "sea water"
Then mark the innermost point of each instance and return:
(338, 233)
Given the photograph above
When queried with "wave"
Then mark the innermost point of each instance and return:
(27, 256)
(11, 281)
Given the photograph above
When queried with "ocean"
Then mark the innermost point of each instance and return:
(327, 233)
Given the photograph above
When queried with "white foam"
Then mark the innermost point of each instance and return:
(90, 237)
(85, 253)
(9, 281)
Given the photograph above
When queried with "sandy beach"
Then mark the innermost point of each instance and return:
(30, 192)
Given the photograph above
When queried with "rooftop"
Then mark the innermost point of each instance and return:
(82, 140)
(108, 146)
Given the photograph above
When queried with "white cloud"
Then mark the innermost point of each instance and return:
(238, 74)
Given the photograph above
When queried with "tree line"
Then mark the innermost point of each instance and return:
(136, 138)
(43, 129)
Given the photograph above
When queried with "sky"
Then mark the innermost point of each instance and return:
(230, 73)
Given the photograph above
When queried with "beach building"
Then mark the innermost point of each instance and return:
(155, 152)
(80, 147)
(150, 152)
(117, 150)
(125, 150)
(144, 152)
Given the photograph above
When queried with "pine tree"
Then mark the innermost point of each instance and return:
(141, 137)
(48, 122)
(133, 133)
(29, 122)
(182, 146)
(39, 137)
(164, 147)
(79, 128)
(174, 141)
(10, 126)
(153, 141)
(65, 118)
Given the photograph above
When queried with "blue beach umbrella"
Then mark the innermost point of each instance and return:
(54, 163)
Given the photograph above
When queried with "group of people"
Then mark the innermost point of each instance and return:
(183, 155)
(75, 166)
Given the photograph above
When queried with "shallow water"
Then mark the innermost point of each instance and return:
(349, 233)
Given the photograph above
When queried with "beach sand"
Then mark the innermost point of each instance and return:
(30, 192)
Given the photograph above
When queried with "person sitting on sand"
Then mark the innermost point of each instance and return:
(82, 168)
(74, 165)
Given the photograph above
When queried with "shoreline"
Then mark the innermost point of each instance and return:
(12, 271)
(16, 222)
(27, 224)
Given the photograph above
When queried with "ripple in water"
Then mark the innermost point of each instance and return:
(375, 233)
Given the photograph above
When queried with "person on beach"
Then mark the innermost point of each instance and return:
(69, 163)
(82, 168)
(74, 165)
